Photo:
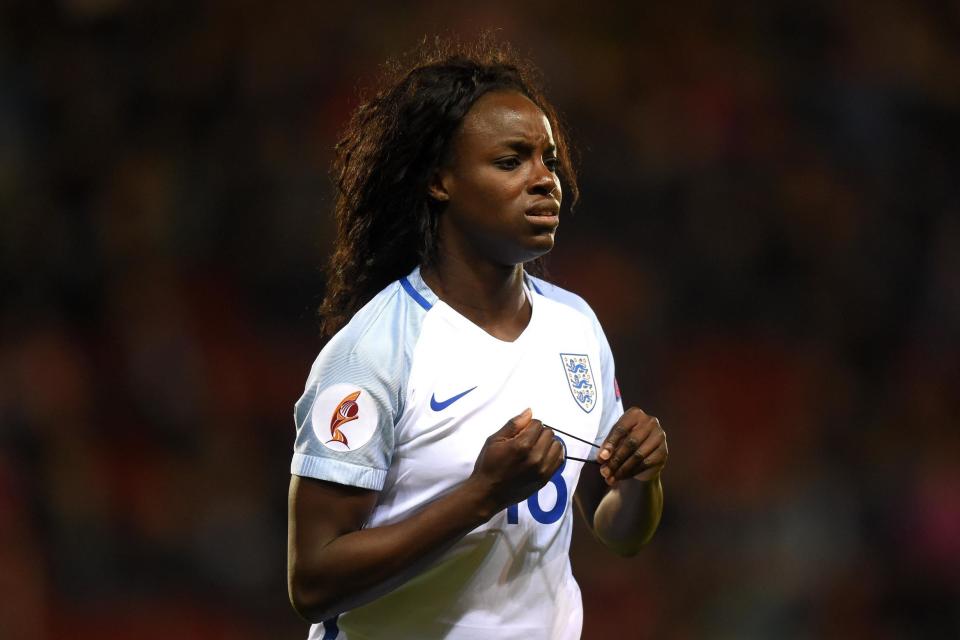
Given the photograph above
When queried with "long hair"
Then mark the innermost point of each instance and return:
(386, 222)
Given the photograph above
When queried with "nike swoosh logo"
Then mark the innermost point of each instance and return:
(440, 406)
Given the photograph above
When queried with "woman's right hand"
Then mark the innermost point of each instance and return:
(516, 461)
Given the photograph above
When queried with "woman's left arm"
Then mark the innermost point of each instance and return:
(622, 501)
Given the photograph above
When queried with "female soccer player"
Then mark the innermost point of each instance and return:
(429, 498)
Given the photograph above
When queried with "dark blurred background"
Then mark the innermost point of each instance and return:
(769, 232)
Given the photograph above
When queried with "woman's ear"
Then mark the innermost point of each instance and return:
(437, 187)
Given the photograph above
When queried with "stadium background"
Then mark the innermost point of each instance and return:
(769, 232)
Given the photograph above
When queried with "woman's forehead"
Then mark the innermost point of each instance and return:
(507, 114)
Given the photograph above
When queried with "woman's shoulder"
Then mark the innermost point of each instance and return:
(379, 329)
(574, 305)
(371, 352)
(562, 296)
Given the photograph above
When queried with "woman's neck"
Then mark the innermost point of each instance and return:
(491, 296)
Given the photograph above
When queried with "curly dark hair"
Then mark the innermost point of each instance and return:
(386, 222)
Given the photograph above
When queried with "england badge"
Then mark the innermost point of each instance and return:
(580, 379)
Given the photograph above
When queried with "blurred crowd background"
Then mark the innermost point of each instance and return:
(769, 232)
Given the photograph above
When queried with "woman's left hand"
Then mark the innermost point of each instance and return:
(636, 447)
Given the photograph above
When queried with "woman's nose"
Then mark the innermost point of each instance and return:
(544, 181)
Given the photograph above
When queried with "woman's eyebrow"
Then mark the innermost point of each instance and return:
(526, 144)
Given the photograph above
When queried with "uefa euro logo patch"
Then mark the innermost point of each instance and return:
(580, 379)
(344, 417)
(347, 411)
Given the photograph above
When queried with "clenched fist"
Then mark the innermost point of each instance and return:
(517, 460)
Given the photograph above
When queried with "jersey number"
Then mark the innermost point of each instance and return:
(533, 502)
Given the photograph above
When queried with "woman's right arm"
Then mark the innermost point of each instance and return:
(334, 564)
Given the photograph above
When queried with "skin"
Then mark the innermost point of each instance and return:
(501, 200)
(502, 203)
(622, 501)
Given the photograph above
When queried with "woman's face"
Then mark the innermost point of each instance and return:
(500, 185)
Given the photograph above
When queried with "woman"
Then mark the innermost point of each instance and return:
(428, 498)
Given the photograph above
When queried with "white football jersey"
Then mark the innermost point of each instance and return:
(401, 401)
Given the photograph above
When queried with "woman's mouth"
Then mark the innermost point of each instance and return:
(546, 214)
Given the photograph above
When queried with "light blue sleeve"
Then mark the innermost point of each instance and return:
(353, 397)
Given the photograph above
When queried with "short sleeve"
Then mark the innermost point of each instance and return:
(345, 419)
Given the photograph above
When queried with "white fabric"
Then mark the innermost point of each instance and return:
(408, 353)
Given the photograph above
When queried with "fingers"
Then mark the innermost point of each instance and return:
(515, 425)
(526, 435)
(636, 444)
(545, 450)
(547, 454)
(613, 440)
(642, 459)
(529, 434)
(558, 451)
(625, 425)
(554, 458)
(541, 447)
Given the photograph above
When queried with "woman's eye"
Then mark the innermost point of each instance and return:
(508, 163)
(552, 164)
